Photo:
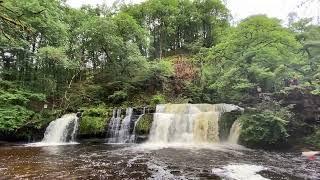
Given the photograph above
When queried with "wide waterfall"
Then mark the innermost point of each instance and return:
(187, 123)
(62, 130)
(122, 130)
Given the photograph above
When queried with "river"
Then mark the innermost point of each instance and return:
(97, 160)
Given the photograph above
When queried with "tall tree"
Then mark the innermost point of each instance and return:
(258, 52)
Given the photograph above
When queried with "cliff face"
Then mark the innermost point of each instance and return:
(306, 107)
(304, 104)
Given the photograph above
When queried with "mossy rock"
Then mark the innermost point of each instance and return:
(144, 125)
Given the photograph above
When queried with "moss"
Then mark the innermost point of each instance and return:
(94, 120)
(144, 125)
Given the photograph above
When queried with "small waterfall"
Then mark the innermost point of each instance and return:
(133, 136)
(59, 130)
(75, 130)
(124, 132)
(187, 123)
(114, 126)
(121, 130)
(234, 132)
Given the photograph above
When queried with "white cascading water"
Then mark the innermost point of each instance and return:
(119, 129)
(133, 136)
(234, 132)
(114, 126)
(58, 131)
(75, 130)
(124, 132)
(187, 123)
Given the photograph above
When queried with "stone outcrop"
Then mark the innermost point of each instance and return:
(304, 104)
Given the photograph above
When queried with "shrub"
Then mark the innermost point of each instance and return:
(144, 125)
(264, 128)
(15, 112)
(157, 99)
(94, 120)
(118, 97)
(13, 117)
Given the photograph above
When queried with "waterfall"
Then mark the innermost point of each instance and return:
(187, 123)
(121, 130)
(133, 136)
(59, 130)
(114, 126)
(75, 130)
(234, 132)
(124, 132)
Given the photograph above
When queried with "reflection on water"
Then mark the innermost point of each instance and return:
(105, 161)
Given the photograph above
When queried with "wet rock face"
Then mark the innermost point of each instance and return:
(139, 110)
(305, 104)
(225, 123)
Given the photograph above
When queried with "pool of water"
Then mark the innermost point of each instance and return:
(150, 161)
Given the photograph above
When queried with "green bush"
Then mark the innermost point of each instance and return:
(13, 117)
(118, 97)
(144, 125)
(18, 97)
(264, 128)
(15, 112)
(157, 99)
(94, 120)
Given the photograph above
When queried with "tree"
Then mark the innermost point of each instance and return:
(44, 27)
(213, 17)
(175, 25)
(309, 36)
(258, 52)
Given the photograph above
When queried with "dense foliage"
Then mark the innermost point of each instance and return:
(158, 51)
(15, 107)
(265, 126)
(94, 120)
(144, 125)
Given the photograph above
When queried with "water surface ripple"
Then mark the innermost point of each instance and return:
(147, 161)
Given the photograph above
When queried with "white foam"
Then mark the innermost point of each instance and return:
(42, 144)
(225, 147)
(240, 172)
(58, 131)
(159, 171)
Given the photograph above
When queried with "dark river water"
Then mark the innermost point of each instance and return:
(147, 161)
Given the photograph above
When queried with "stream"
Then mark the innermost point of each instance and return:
(96, 160)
